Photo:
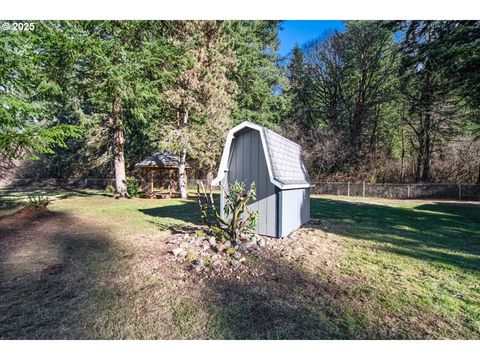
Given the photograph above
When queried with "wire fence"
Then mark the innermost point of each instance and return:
(84, 182)
(97, 183)
(361, 189)
(401, 191)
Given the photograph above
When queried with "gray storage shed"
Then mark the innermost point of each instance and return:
(276, 164)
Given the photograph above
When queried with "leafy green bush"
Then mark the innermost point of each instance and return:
(110, 189)
(38, 202)
(132, 187)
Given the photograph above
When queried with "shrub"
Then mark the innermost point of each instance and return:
(239, 218)
(110, 189)
(132, 187)
(38, 202)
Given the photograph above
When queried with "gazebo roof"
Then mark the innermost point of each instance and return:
(161, 159)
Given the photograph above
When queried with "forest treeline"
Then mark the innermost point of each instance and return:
(390, 102)
(393, 101)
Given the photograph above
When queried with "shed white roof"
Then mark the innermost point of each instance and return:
(285, 162)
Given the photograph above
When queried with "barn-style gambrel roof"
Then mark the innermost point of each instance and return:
(160, 159)
(285, 162)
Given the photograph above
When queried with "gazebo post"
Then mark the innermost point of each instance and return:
(170, 179)
(150, 177)
(160, 169)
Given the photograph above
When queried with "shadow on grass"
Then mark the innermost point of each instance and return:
(47, 271)
(444, 233)
(284, 301)
(187, 211)
(171, 215)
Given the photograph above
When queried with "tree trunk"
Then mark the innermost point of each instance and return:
(210, 176)
(181, 175)
(402, 158)
(118, 150)
(427, 152)
(182, 184)
(478, 179)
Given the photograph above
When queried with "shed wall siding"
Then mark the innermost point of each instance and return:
(295, 209)
(247, 163)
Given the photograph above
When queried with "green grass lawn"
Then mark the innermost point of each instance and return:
(97, 267)
(420, 259)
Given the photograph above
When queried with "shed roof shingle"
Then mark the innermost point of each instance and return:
(286, 158)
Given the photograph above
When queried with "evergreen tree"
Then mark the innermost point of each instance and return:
(201, 97)
(122, 68)
(427, 92)
(261, 81)
(32, 99)
(300, 112)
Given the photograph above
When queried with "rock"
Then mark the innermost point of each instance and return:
(236, 255)
(219, 248)
(192, 256)
(217, 264)
(262, 242)
(234, 263)
(177, 251)
(242, 260)
(251, 244)
(227, 244)
(183, 254)
(242, 247)
(200, 234)
(212, 241)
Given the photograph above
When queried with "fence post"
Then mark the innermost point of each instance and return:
(408, 191)
(459, 191)
(363, 189)
(348, 188)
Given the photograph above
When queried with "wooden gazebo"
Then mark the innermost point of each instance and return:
(159, 174)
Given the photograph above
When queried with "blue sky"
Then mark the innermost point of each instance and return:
(302, 31)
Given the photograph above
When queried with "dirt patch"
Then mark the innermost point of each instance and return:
(25, 213)
(46, 259)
